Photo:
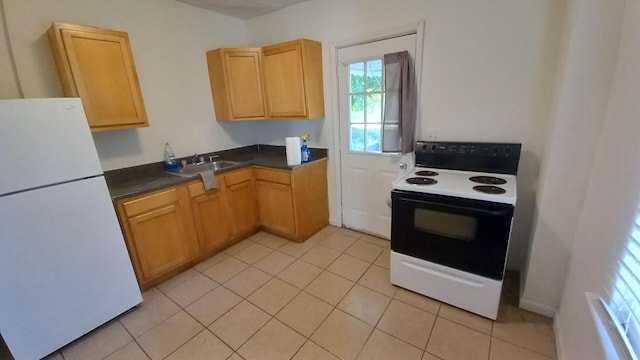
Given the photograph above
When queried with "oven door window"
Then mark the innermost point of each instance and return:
(464, 234)
(453, 226)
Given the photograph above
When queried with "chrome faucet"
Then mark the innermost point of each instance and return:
(197, 160)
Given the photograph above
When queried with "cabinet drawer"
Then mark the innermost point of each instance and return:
(280, 177)
(197, 188)
(238, 176)
(149, 202)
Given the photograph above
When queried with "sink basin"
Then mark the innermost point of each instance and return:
(223, 164)
(193, 170)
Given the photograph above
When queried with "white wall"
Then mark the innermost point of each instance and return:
(612, 196)
(169, 40)
(8, 79)
(576, 124)
(487, 74)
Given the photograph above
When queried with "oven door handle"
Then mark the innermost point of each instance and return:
(499, 213)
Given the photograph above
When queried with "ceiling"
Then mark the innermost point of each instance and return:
(243, 9)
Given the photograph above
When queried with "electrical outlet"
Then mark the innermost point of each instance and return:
(432, 134)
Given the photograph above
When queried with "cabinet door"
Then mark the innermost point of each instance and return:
(243, 208)
(210, 221)
(284, 80)
(97, 65)
(293, 79)
(159, 233)
(160, 240)
(310, 197)
(275, 203)
(240, 201)
(236, 83)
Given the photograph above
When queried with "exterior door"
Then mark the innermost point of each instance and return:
(367, 173)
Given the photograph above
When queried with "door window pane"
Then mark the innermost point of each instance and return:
(357, 109)
(373, 138)
(357, 137)
(374, 108)
(374, 75)
(356, 77)
(367, 97)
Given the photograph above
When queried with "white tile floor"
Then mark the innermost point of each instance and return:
(326, 298)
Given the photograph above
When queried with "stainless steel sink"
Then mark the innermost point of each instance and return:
(193, 170)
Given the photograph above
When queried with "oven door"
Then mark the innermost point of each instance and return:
(464, 234)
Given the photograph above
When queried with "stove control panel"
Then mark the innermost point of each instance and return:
(464, 148)
(501, 158)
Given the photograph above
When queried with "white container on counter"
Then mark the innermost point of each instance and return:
(294, 156)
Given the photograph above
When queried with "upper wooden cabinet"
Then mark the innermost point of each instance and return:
(236, 84)
(97, 66)
(282, 81)
(293, 79)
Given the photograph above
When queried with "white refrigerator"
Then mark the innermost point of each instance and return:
(64, 266)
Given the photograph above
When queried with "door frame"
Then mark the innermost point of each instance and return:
(413, 28)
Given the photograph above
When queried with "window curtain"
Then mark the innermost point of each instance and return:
(399, 122)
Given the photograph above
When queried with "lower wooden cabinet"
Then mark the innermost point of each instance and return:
(239, 192)
(159, 233)
(293, 203)
(276, 207)
(310, 198)
(169, 230)
(210, 219)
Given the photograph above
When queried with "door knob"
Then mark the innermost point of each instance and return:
(403, 165)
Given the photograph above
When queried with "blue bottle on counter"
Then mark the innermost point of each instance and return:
(170, 163)
(306, 152)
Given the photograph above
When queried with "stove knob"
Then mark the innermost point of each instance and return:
(434, 147)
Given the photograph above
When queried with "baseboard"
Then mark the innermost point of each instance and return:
(547, 311)
(335, 222)
(538, 308)
(558, 337)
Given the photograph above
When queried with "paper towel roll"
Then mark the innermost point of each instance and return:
(294, 156)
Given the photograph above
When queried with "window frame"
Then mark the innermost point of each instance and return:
(364, 123)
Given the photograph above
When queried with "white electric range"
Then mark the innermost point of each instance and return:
(451, 222)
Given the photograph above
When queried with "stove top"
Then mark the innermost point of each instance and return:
(458, 183)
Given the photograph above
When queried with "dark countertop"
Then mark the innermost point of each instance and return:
(140, 179)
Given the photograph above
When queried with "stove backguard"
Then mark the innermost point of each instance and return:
(498, 158)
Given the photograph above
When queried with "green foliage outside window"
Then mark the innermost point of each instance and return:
(373, 83)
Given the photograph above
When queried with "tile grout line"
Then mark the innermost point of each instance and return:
(431, 332)
(376, 327)
(134, 340)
